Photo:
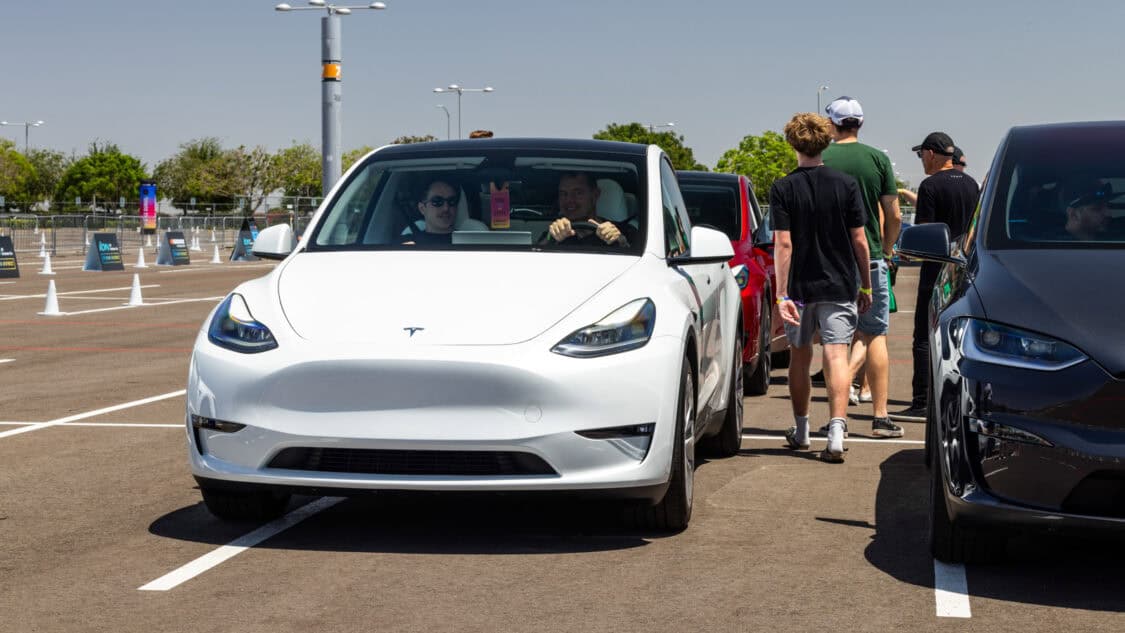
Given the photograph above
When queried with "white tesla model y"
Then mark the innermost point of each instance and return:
(439, 327)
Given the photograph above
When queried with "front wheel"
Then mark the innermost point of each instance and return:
(758, 383)
(728, 441)
(953, 541)
(673, 512)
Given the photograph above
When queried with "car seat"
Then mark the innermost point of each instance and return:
(612, 203)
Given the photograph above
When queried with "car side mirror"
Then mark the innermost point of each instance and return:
(929, 242)
(276, 242)
(708, 246)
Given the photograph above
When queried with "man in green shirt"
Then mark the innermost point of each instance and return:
(876, 177)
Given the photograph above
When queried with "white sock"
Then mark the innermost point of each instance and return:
(802, 428)
(836, 435)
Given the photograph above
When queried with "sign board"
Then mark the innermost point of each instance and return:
(104, 253)
(9, 267)
(243, 248)
(148, 207)
(173, 250)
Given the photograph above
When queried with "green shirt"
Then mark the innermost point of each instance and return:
(872, 170)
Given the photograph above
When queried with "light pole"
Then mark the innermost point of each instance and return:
(331, 94)
(652, 126)
(446, 120)
(461, 90)
(818, 91)
(26, 126)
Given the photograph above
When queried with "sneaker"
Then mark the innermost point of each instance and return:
(883, 427)
(853, 396)
(818, 379)
(865, 397)
(793, 442)
(834, 451)
(913, 414)
(824, 430)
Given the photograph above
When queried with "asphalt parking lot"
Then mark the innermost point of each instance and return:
(102, 529)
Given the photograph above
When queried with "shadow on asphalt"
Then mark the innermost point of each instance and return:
(1079, 571)
(427, 523)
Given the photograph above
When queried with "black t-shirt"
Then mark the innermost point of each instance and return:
(819, 206)
(948, 196)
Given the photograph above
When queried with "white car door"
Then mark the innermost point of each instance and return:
(708, 287)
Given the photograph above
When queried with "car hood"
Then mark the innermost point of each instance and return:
(1068, 294)
(464, 298)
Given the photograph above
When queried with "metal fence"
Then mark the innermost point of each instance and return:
(71, 234)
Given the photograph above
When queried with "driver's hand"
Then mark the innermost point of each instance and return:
(608, 232)
(560, 229)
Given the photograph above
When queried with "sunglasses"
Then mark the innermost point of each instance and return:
(438, 201)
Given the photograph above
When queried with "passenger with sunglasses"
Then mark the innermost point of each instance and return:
(438, 207)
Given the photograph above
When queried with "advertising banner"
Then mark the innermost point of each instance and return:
(173, 250)
(9, 267)
(148, 207)
(244, 248)
(104, 253)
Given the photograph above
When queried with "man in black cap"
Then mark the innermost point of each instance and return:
(946, 195)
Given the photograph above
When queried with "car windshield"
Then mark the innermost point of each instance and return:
(1061, 192)
(500, 199)
(714, 205)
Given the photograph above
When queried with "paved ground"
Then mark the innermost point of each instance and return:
(96, 506)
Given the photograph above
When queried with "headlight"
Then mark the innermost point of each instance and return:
(234, 328)
(741, 275)
(1002, 345)
(626, 328)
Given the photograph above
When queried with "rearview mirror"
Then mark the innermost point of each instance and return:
(929, 242)
(276, 242)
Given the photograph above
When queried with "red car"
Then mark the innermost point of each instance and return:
(726, 202)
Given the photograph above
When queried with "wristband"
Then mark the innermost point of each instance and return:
(866, 291)
(782, 300)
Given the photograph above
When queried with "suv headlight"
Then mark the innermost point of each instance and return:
(234, 328)
(626, 328)
(1002, 345)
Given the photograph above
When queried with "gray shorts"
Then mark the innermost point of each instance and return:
(877, 319)
(835, 320)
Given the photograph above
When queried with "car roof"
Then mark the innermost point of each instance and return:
(701, 177)
(511, 143)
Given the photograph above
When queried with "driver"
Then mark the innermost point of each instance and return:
(578, 197)
(1087, 216)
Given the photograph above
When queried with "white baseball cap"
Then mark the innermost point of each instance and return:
(844, 108)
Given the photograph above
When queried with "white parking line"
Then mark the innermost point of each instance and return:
(6, 360)
(73, 292)
(951, 591)
(144, 305)
(871, 440)
(91, 414)
(143, 425)
(196, 567)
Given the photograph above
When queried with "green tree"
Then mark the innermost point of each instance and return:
(350, 157)
(17, 175)
(298, 170)
(763, 159)
(405, 140)
(50, 165)
(192, 173)
(105, 173)
(253, 174)
(672, 143)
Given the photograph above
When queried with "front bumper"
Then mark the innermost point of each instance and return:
(418, 399)
(1042, 448)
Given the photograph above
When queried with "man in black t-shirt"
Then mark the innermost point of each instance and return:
(947, 195)
(823, 274)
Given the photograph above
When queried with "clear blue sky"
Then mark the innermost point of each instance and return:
(151, 74)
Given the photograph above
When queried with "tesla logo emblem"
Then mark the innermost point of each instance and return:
(412, 330)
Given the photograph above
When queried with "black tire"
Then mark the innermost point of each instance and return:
(728, 441)
(954, 541)
(758, 383)
(673, 512)
(780, 360)
(244, 506)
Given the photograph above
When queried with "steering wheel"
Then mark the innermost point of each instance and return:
(594, 227)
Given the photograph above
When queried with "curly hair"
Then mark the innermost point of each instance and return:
(808, 133)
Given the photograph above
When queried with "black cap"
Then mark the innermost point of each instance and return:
(1092, 193)
(958, 156)
(938, 142)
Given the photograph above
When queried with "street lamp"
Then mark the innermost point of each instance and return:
(652, 126)
(331, 93)
(818, 91)
(446, 120)
(26, 126)
(460, 90)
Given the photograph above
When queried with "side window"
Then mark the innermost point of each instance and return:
(676, 222)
